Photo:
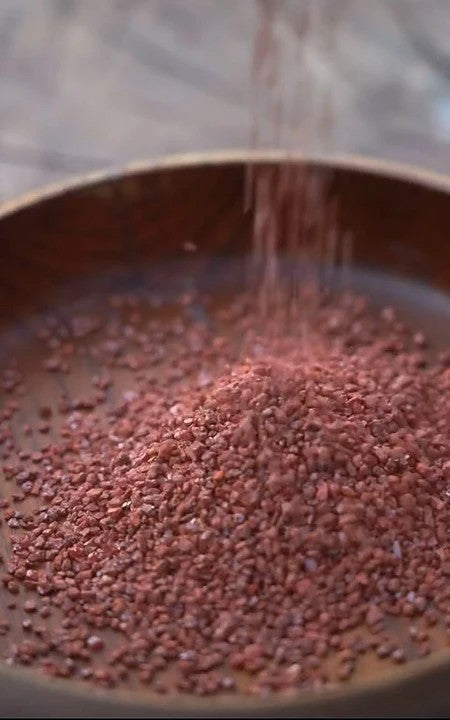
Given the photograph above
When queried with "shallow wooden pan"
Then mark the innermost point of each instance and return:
(67, 242)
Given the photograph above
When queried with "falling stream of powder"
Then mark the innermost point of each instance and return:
(297, 244)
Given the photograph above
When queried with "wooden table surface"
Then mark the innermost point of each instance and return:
(90, 84)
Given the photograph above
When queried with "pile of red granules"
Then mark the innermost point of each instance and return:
(233, 524)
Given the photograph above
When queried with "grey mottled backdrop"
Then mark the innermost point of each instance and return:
(87, 84)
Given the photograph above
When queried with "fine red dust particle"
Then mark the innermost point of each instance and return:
(94, 643)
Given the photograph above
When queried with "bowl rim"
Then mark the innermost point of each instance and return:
(351, 162)
(182, 704)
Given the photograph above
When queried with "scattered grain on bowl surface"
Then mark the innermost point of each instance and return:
(221, 510)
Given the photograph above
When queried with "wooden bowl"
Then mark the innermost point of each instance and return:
(108, 231)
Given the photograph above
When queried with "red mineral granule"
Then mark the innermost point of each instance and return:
(256, 525)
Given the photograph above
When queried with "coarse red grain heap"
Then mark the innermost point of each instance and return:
(265, 518)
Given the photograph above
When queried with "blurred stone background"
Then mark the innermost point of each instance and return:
(90, 84)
